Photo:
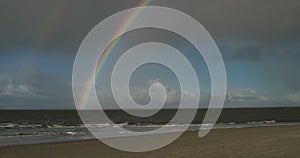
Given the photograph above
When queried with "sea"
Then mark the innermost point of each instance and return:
(20, 127)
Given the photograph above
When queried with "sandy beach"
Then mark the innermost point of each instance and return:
(279, 141)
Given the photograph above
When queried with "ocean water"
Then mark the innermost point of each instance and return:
(35, 126)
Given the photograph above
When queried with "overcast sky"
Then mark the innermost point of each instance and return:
(259, 41)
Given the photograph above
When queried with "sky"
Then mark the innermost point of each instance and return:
(259, 42)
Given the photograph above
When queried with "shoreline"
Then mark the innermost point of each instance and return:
(272, 141)
(187, 131)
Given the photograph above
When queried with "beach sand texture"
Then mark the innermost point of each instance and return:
(256, 142)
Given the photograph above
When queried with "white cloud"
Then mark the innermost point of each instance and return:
(246, 96)
(33, 92)
(235, 98)
(172, 96)
(140, 94)
(294, 97)
(150, 82)
(14, 88)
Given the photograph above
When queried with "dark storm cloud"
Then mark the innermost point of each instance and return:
(249, 30)
(257, 20)
(280, 62)
(259, 51)
(55, 25)
(61, 25)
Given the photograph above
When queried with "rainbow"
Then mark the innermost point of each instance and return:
(108, 51)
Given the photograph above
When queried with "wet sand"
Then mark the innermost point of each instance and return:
(273, 142)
